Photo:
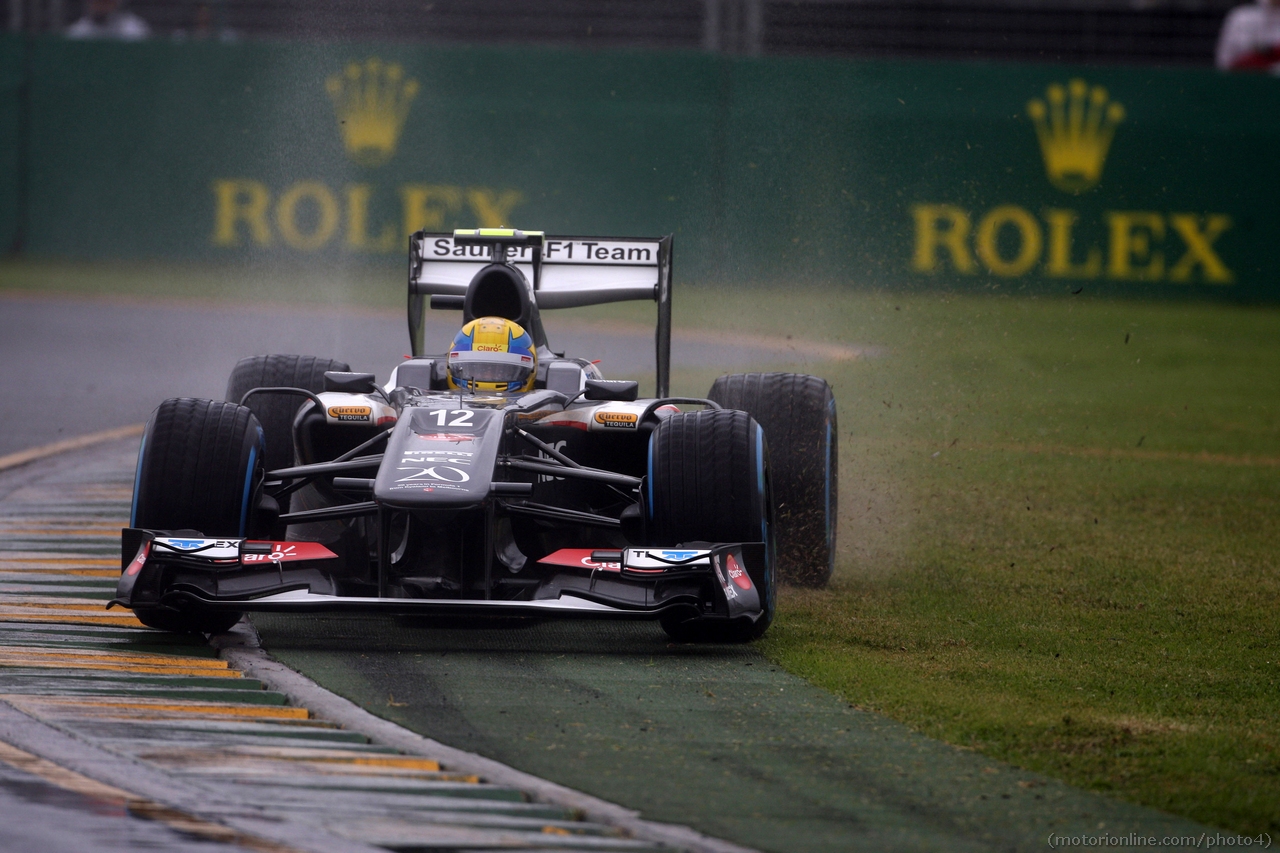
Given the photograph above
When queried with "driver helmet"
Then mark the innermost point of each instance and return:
(492, 354)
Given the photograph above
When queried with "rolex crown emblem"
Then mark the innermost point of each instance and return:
(372, 101)
(1075, 128)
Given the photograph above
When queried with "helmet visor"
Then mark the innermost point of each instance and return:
(495, 367)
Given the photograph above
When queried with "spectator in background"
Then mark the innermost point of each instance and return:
(1250, 38)
(105, 19)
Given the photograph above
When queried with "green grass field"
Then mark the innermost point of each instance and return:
(1058, 521)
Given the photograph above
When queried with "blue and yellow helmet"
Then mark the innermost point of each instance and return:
(492, 354)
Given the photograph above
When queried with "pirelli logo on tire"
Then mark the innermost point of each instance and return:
(351, 413)
(617, 420)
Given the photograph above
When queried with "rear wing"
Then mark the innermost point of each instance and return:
(565, 272)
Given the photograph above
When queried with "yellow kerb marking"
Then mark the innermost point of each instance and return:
(54, 604)
(89, 656)
(125, 620)
(134, 669)
(143, 706)
(105, 656)
(37, 569)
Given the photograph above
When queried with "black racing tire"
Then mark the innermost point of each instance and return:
(798, 413)
(709, 481)
(276, 411)
(199, 469)
(180, 622)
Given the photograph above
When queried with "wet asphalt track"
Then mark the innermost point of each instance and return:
(714, 737)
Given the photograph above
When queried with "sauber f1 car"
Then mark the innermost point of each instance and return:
(498, 478)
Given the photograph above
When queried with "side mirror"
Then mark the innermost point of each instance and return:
(617, 390)
(351, 383)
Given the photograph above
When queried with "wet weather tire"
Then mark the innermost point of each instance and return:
(709, 482)
(276, 411)
(199, 469)
(798, 413)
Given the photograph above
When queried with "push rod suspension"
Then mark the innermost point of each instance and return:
(555, 513)
(547, 448)
(331, 512)
(321, 468)
(580, 473)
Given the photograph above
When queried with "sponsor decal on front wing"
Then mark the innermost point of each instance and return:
(230, 549)
(288, 552)
(213, 549)
(736, 573)
(637, 559)
(579, 558)
(136, 566)
(664, 558)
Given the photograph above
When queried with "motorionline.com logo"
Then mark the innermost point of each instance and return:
(1205, 840)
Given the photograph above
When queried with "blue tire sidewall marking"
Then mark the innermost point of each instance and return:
(830, 453)
(652, 435)
(137, 483)
(769, 592)
(764, 509)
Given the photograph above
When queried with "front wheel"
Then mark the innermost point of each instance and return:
(798, 413)
(199, 469)
(709, 482)
(276, 411)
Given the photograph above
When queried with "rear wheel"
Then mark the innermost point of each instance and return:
(709, 481)
(276, 411)
(199, 468)
(798, 413)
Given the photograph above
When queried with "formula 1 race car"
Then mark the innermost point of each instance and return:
(499, 478)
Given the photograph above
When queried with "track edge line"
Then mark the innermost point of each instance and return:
(22, 457)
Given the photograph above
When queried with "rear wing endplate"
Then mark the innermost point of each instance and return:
(565, 272)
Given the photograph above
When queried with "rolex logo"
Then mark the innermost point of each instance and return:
(1075, 127)
(372, 101)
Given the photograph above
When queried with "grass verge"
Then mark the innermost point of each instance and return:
(1058, 519)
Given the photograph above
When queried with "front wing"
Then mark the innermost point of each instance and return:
(193, 573)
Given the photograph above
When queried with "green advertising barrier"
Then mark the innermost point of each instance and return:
(299, 152)
(12, 56)
(886, 174)
(1000, 176)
